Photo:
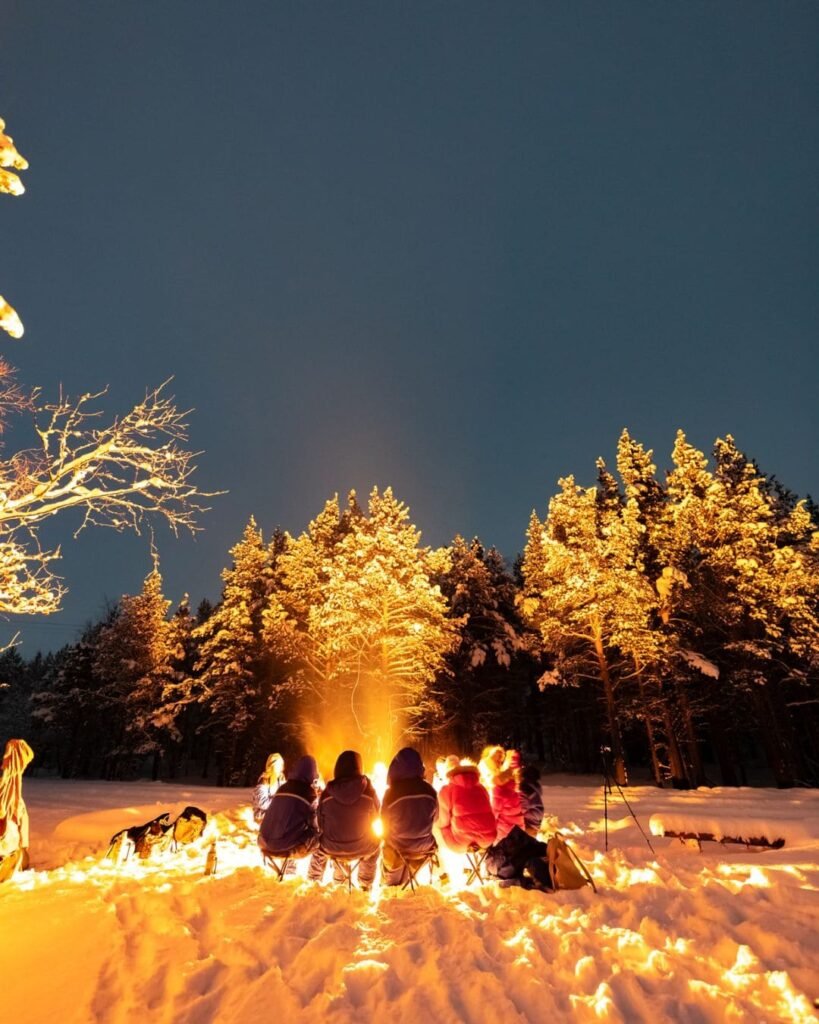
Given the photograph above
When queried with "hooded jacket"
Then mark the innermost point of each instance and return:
(410, 806)
(16, 758)
(289, 822)
(506, 802)
(347, 809)
(531, 798)
(465, 814)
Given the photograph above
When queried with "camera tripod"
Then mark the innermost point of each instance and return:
(608, 780)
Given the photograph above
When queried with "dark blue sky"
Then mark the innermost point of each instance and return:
(454, 247)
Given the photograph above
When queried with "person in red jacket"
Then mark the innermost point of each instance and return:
(507, 802)
(465, 815)
(503, 775)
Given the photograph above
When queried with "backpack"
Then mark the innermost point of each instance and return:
(189, 826)
(158, 834)
(141, 839)
(566, 869)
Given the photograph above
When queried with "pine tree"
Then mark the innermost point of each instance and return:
(482, 694)
(586, 592)
(656, 691)
(749, 599)
(15, 681)
(233, 655)
(75, 726)
(363, 627)
(135, 656)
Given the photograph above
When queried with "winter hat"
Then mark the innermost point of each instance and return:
(406, 764)
(348, 765)
(17, 756)
(304, 770)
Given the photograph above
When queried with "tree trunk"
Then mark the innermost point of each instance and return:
(724, 750)
(618, 761)
(679, 775)
(206, 759)
(652, 743)
(794, 752)
(692, 746)
(775, 751)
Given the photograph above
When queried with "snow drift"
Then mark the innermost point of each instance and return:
(726, 934)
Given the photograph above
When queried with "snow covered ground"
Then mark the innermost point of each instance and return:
(725, 934)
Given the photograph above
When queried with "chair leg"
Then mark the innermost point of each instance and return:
(413, 872)
(475, 859)
(410, 875)
(346, 869)
(279, 865)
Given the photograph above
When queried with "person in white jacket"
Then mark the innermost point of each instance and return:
(269, 781)
(14, 836)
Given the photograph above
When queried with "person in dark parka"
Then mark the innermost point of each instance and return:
(347, 810)
(531, 798)
(520, 859)
(290, 826)
(409, 811)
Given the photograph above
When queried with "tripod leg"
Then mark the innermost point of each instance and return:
(636, 821)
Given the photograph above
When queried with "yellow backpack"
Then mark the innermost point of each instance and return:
(566, 869)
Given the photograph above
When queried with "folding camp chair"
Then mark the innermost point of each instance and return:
(279, 864)
(475, 857)
(415, 867)
(345, 869)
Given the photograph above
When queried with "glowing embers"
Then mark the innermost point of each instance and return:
(739, 875)
(627, 876)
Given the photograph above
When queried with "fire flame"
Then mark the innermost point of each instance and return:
(378, 777)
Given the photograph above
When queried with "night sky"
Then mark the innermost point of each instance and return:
(452, 247)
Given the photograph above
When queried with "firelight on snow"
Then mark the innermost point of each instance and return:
(728, 934)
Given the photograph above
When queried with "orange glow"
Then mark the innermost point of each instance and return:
(378, 777)
(368, 726)
(378, 828)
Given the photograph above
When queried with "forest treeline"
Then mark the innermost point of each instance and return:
(673, 618)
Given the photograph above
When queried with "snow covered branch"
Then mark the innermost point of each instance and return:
(10, 184)
(115, 475)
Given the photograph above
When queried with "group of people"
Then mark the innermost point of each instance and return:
(471, 806)
(481, 804)
(474, 806)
